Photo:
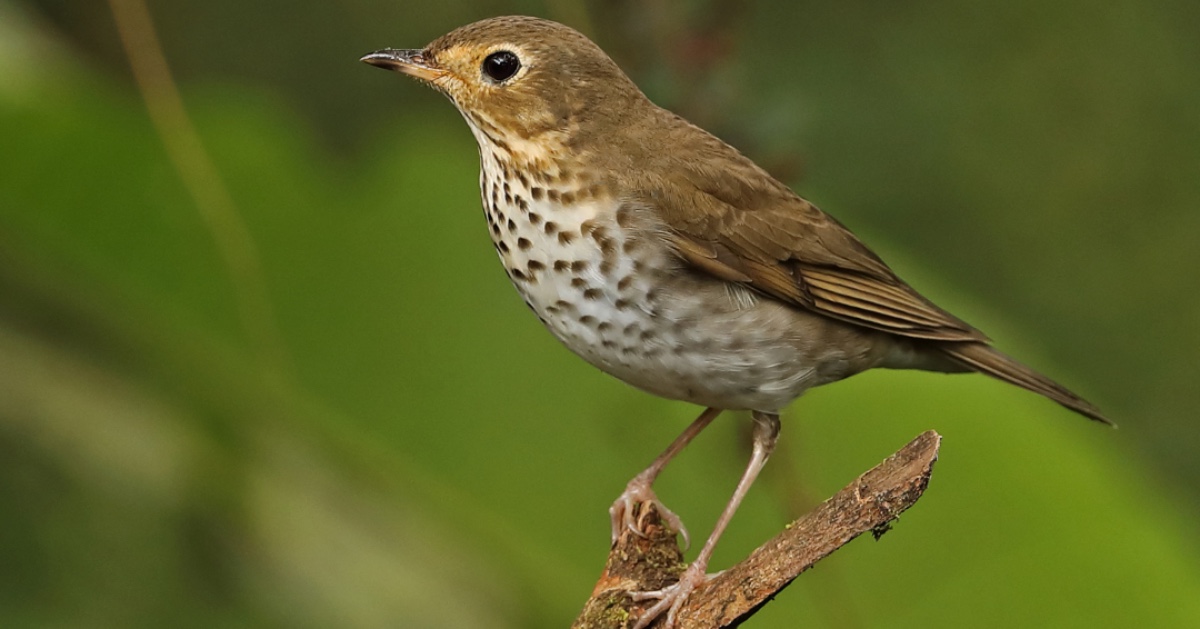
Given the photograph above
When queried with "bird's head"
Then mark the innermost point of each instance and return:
(521, 79)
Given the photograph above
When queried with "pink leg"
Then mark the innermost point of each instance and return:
(639, 489)
(671, 599)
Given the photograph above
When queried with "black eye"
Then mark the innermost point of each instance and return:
(501, 66)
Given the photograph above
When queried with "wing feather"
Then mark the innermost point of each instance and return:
(784, 247)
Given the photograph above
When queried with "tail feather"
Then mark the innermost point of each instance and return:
(984, 359)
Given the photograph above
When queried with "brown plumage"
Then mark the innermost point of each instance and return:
(666, 258)
(789, 249)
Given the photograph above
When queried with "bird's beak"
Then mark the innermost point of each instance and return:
(411, 62)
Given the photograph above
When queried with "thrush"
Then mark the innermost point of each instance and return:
(663, 256)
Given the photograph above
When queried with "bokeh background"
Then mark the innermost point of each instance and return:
(259, 367)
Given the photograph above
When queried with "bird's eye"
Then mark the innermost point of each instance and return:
(501, 66)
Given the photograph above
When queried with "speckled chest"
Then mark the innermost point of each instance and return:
(586, 278)
(597, 277)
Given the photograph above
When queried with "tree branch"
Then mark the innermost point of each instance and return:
(638, 564)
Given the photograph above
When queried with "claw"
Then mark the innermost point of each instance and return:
(638, 491)
(671, 598)
(625, 514)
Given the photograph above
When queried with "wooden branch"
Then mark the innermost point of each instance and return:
(637, 564)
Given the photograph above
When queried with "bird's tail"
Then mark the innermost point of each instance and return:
(984, 359)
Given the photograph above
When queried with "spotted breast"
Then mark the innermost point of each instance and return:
(593, 267)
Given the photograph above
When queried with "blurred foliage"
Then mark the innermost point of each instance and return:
(427, 456)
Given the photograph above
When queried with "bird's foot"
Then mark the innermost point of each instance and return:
(626, 515)
(671, 598)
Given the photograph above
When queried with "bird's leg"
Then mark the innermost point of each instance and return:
(671, 599)
(639, 489)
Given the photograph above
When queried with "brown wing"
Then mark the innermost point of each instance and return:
(783, 246)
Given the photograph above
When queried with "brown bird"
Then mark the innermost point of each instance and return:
(665, 257)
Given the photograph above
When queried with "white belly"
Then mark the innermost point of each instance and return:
(576, 271)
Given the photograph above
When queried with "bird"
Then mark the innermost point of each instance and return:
(665, 257)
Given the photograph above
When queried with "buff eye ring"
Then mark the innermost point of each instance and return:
(501, 65)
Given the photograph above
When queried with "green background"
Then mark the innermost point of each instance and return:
(359, 425)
